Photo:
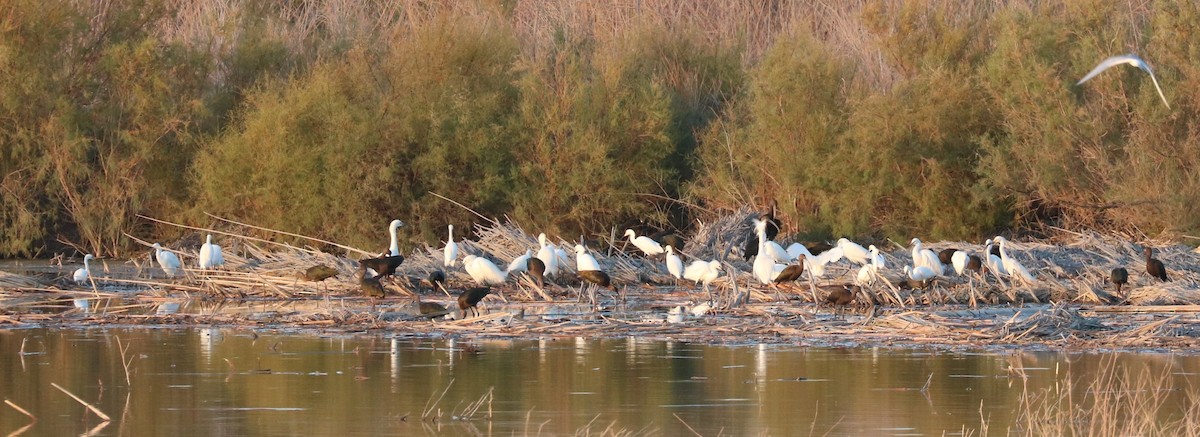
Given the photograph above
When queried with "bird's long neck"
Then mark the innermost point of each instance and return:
(394, 248)
(86, 267)
(1003, 252)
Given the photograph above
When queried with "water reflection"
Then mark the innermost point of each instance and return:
(231, 381)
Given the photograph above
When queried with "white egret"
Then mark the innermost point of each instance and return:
(1130, 59)
(993, 262)
(794, 251)
(450, 253)
(210, 254)
(1014, 267)
(81, 275)
(548, 255)
(876, 258)
(483, 271)
(644, 243)
(816, 264)
(854, 252)
(919, 276)
(167, 260)
(674, 263)
(771, 248)
(394, 243)
(704, 272)
(583, 260)
(766, 269)
(925, 258)
(959, 261)
(521, 263)
(870, 272)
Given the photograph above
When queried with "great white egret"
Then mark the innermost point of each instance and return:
(1153, 266)
(674, 263)
(210, 254)
(583, 260)
(765, 268)
(450, 253)
(816, 264)
(1130, 59)
(81, 275)
(876, 258)
(993, 261)
(548, 255)
(644, 243)
(521, 263)
(167, 260)
(394, 243)
(854, 251)
(483, 271)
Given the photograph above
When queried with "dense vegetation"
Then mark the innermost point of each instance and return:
(942, 119)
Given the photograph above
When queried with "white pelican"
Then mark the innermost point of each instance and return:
(210, 254)
(548, 255)
(450, 253)
(483, 271)
(167, 260)
(394, 246)
(854, 252)
(521, 263)
(1014, 267)
(772, 249)
(583, 260)
(81, 275)
(1130, 59)
(674, 263)
(644, 243)
(925, 258)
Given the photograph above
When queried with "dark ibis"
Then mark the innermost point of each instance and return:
(469, 298)
(1154, 267)
(1119, 277)
(597, 277)
(536, 269)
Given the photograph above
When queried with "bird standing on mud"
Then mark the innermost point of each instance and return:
(1119, 277)
(319, 273)
(1154, 267)
(469, 299)
(371, 287)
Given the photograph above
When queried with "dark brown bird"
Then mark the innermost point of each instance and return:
(597, 277)
(384, 265)
(946, 256)
(1119, 276)
(536, 270)
(1155, 267)
(319, 273)
(818, 247)
(429, 308)
(468, 299)
(437, 280)
(668, 238)
(841, 296)
(773, 226)
(790, 273)
(974, 264)
(371, 286)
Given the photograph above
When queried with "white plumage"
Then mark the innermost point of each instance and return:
(877, 258)
(394, 243)
(993, 262)
(583, 260)
(768, 247)
(925, 258)
(959, 261)
(450, 253)
(167, 260)
(1130, 59)
(483, 271)
(765, 268)
(854, 251)
(795, 250)
(81, 275)
(210, 254)
(644, 243)
(815, 265)
(701, 271)
(674, 263)
(548, 255)
(521, 263)
(919, 273)
(1014, 267)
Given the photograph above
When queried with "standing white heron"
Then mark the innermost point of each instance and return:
(521, 263)
(450, 253)
(644, 243)
(1014, 267)
(765, 268)
(701, 271)
(925, 258)
(394, 243)
(548, 255)
(773, 249)
(1130, 59)
(993, 262)
(483, 271)
(210, 254)
(674, 263)
(167, 260)
(82, 274)
(959, 261)
(583, 260)
(854, 251)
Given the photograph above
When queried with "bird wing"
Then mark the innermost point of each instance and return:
(1130, 59)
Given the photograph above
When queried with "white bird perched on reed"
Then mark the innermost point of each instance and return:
(925, 258)
(854, 251)
(82, 274)
(450, 253)
(167, 260)
(773, 249)
(700, 271)
(548, 255)
(674, 263)
(1014, 267)
(583, 260)
(521, 263)
(815, 265)
(210, 254)
(394, 243)
(644, 243)
(483, 271)
(1130, 59)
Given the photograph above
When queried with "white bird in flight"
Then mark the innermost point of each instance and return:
(1130, 59)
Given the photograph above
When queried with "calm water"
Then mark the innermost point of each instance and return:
(234, 382)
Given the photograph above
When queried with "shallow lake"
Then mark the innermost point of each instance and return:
(232, 381)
